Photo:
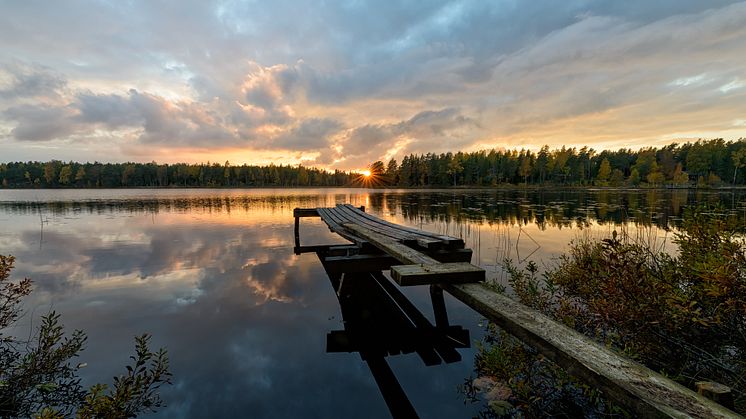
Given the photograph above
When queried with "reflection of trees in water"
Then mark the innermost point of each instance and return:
(556, 209)
(269, 203)
(575, 208)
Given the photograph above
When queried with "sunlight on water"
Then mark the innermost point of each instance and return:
(212, 275)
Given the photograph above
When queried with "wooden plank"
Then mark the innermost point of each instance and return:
(352, 217)
(391, 230)
(305, 212)
(455, 255)
(417, 233)
(345, 216)
(349, 261)
(452, 242)
(359, 263)
(453, 273)
(331, 221)
(403, 253)
(431, 271)
(310, 249)
(637, 388)
(411, 230)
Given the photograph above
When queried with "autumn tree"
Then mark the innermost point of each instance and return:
(604, 171)
(679, 176)
(617, 177)
(454, 168)
(66, 174)
(634, 177)
(80, 176)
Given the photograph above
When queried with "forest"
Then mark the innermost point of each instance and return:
(703, 163)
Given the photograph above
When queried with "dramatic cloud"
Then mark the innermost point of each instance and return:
(18, 81)
(341, 85)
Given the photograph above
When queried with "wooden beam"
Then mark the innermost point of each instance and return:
(401, 252)
(305, 212)
(423, 269)
(397, 232)
(334, 223)
(452, 273)
(634, 386)
(452, 242)
(359, 263)
(349, 259)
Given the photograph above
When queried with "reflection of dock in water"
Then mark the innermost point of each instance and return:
(380, 321)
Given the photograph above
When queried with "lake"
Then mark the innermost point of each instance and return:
(211, 274)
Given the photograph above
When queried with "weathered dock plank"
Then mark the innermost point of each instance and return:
(458, 272)
(420, 269)
(451, 242)
(353, 215)
(643, 391)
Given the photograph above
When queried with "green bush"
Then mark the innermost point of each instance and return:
(39, 378)
(683, 315)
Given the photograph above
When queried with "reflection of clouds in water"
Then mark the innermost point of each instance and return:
(218, 296)
(71, 260)
(244, 320)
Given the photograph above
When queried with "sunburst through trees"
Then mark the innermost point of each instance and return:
(374, 176)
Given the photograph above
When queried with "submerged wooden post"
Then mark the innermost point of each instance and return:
(297, 232)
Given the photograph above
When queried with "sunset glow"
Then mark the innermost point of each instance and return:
(77, 84)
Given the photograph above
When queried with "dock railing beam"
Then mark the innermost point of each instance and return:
(642, 391)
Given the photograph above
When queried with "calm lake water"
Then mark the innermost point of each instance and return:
(212, 276)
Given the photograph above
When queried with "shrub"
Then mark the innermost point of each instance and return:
(683, 315)
(39, 378)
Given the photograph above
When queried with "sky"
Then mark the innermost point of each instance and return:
(339, 84)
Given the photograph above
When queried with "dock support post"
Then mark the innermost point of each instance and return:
(439, 306)
(297, 231)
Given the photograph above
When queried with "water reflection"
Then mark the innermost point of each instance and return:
(379, 321)
(212, 275)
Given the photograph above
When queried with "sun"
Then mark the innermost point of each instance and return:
(365, 173)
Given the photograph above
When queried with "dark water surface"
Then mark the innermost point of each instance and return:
(212, 276)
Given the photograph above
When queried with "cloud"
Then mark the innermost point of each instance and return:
(41, 122)
(432, 130)
(109, 109)
(28, 81)
(344, 81)
(310, 134)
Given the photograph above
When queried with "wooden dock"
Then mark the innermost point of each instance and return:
(416, 257)
(424, 258)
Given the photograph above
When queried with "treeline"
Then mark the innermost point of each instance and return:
(714, 162)
(703, 163)
(57, 174)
